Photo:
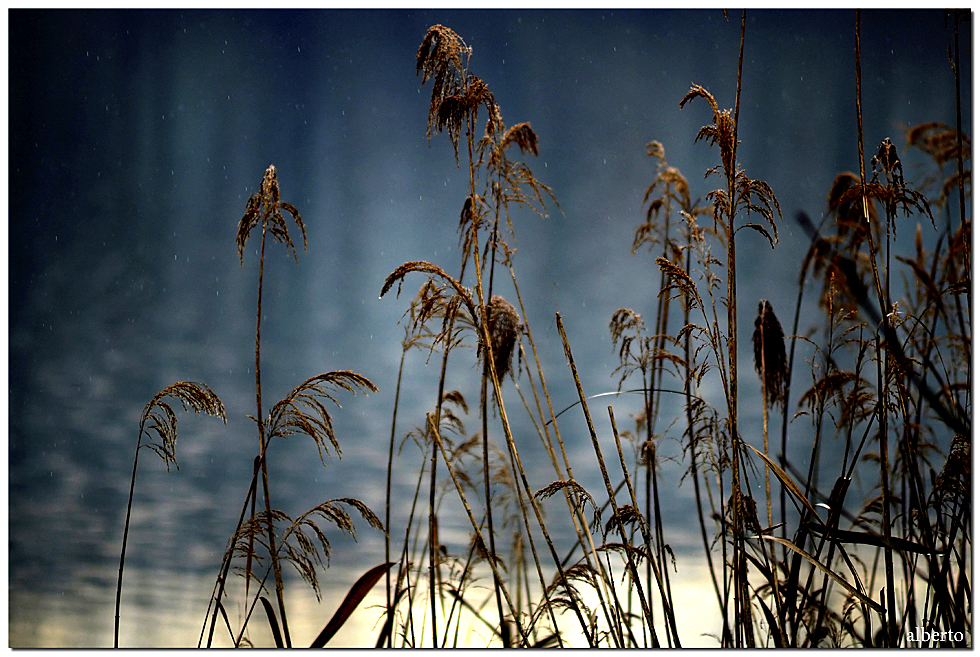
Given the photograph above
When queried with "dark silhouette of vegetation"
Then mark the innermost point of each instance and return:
(888, 344)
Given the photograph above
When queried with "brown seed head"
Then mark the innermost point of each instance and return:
(770, 354)
(504, 326)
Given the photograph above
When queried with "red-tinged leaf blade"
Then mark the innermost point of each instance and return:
(273, 623)
(354, 596)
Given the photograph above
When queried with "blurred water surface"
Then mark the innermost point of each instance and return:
(136, 138)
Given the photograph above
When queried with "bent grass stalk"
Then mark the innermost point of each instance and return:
(159, 417)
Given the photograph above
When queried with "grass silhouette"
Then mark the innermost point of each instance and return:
(888, 345)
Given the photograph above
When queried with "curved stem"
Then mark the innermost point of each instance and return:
(262, 444)
(122, 553)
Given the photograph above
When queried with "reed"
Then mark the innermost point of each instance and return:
(774, 586)
(159, 418)
(883, 330)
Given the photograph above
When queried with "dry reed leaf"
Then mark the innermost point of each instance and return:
(816, 562)
(870, 538)
(273, 623)
(357, 592)
(785, 479)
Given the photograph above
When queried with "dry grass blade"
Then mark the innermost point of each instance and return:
(953, 482)
(523, 136)
(830, 385)
(871, 538)
(680, 280)
(581, 497)
(834, 576)
(629, 551)
(626, 514)
(401, 272)
(722, 130)
(938, 140)
(303, 541)
(785, 478)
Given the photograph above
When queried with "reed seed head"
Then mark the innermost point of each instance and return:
(770, 354)
(953, 482)
(504, 326)
(265, 208)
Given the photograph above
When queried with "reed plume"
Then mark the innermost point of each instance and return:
(770, 355)
(158, 424)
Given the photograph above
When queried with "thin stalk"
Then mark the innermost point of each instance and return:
(742, 605)
(389, 614)
(580, 524)
(669, 616)
(512, 447)
(883, 415)
(122, 553)
(262, 446)
(537, 561)
(960, 188)
(605, 477)
(437, 439)
(432, 492)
